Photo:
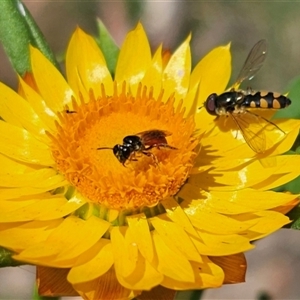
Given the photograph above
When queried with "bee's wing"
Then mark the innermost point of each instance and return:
(152, 134)
(253, 129)
(253, 63)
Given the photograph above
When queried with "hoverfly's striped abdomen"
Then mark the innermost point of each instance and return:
(262, 99)
(238, 104)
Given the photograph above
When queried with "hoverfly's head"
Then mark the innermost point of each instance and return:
(210, 104)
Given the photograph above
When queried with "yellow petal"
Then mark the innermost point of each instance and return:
(7, 206)
(291, 129)
(73, 237)
(40, 208)
(284, 209)
(253, 174)
(205, 123)
(26, 234)
(225, 139)
(16, 111)
(138, 225)
(153, 76)
(231, 202)
(97, 261)
(214, 222)
(178, 216)
(207, 275)
(39, 105)
(176, 75)
(46, 185)
(75, 202)
(30, 179)
(212, 73)
(175, 238)
(144, 276)
(51, 84)
(218, 245)
(221, 202)
(276, 180)
(234, 267)
(171, 263)
(264, 223)
(191, 101)
(21, 145)
(134, 58)
(125, 252)
(10, 166)
(86, 66)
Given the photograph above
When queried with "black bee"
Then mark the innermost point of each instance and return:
(141, 142)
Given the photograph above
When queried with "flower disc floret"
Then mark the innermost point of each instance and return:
(105, 121)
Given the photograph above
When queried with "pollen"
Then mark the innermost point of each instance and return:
(146, 177)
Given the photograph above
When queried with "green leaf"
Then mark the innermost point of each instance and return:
(135, 8)
(37, 38)
(6, 259)
(17, 30)
(294, 185)
(108, 46)
(294, 215)
(36, 296)
(263, 295)
(189, 295)
(293, 111)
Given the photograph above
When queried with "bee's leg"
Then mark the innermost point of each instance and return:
(160, 145)
(154, 158)
(133, 157)
(165, 146)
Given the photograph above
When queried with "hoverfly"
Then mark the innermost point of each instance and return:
(142, 143)
(238, 103)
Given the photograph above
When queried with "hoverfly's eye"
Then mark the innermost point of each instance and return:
(210, 104)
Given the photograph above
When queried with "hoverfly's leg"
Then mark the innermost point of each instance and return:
(154, 158)
(249, 90)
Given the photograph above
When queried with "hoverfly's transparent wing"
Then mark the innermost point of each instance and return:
(253, 63)
(253, 128)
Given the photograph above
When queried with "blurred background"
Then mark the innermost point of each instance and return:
(274, 264)
(212, 23)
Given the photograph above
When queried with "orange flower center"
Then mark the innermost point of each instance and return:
(133, 173)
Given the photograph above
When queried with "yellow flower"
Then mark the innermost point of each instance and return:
(176, 218)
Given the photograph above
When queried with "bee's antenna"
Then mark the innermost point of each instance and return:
(103, 148)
